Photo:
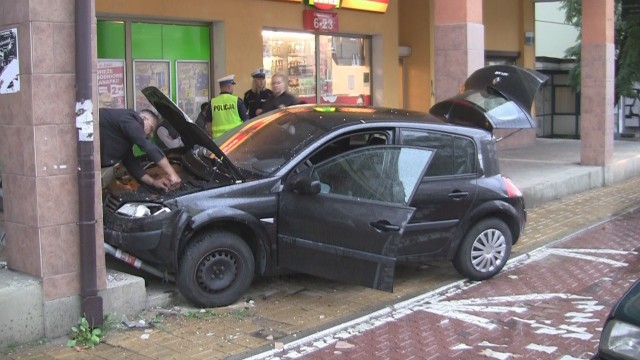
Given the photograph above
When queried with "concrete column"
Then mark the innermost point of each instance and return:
(597, 84)
(38, 150)
(528, 25)
(458, 44)
(527, 137)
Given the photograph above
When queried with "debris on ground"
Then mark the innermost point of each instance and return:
(140, 324)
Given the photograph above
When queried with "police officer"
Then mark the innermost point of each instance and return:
(120, 129)
(227, 110)
(258, 94)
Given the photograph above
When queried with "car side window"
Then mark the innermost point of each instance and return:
(464, 156)
(454, 155)
(442, 163)
(381, 173)
(348, 143)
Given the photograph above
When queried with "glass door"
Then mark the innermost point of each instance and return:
(294, 55)
(345, 70)
(322, 69)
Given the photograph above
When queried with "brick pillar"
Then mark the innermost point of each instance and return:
(38, 150)
(458, 44)
(597, 84)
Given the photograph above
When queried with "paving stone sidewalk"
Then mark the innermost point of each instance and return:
(548, 304)
(281, 310)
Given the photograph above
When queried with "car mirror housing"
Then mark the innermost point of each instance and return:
(303, 184)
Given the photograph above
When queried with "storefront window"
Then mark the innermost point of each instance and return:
(174, 58)
(347, 75)
(321, 68)
(294, 55)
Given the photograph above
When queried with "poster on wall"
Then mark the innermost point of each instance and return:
(111, 84)
(150, 73)
(193, 86)
(9, 64)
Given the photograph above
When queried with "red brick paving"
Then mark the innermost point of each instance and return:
(565, 324)
(289, 308)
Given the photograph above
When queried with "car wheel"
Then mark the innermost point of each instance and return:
(215, 270)
(484, 250)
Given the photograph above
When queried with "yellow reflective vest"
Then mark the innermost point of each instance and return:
(224, 114)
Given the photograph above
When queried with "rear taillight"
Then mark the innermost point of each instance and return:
(512, 189)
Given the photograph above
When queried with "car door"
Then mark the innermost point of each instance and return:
(444, 195)
(342, 219)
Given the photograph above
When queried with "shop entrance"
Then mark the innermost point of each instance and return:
(323, 69)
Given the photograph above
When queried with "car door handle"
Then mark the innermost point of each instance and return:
(384, 225)
(458, 194)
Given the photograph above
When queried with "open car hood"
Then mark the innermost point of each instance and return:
(494, 97)
(190, 133)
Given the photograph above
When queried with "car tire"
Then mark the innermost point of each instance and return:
(215, 270)
(484, 250)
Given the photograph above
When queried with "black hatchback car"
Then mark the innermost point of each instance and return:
(340, 192)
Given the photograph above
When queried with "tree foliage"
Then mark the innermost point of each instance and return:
(627, 49)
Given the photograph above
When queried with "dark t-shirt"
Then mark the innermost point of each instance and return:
(120, 129)
(274, 102)
(202, 115)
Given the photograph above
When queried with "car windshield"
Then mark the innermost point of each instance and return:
(263, 145)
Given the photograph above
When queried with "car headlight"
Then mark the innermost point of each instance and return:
(139, 210)
(621, 339)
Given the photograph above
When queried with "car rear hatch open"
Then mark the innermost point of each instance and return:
(494, 97)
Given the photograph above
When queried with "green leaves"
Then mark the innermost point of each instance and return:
(627, 49)
(84, 335)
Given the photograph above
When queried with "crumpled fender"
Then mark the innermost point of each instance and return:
(154, 238)
(171, 236)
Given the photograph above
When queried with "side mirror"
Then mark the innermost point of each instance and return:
(305, 185)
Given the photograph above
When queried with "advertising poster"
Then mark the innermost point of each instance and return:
(193, 86)
(111, 87)
(151, 73)
(9, 64)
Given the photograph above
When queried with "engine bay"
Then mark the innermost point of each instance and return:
(197, 168)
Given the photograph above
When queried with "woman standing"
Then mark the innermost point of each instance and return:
(255, 97)
(280, 98)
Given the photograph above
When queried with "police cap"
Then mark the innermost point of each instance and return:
(259, 73)
(229, 79)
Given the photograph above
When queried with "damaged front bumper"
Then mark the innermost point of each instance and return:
(152, 237)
